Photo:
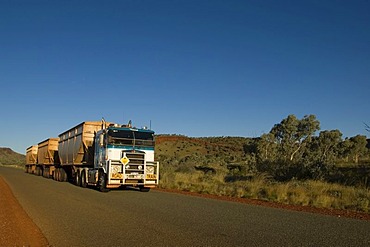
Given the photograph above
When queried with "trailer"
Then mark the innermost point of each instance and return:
(101, 154)
(76, 151)
(47, 157)
(31, 159)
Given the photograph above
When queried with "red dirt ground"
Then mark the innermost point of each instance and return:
(16, 227)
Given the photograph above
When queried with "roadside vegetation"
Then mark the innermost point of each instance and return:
(293, 164)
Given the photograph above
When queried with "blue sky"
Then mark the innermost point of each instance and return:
(198, 68)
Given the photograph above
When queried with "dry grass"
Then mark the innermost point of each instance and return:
(308, 193)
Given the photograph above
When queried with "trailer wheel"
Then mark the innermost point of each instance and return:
(78, 178)
(55, 174)
(103, 182)
(63, 175)
(58, 175)
(83, 179)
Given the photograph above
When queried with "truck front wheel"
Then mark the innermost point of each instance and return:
(103, 182)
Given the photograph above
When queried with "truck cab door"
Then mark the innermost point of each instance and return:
(99, 156)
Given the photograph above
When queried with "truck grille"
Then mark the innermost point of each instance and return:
(136, 158)
(136, 171)
(135, 167)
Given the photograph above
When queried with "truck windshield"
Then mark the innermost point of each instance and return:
(131, 138)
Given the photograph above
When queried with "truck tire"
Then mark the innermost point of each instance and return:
(83, 179)
(55, 174)
(78, 178)
(103, 182)
(57, 177)
(63, 175)
(37, 171)
(45, 172)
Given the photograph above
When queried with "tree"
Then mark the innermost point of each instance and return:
(292, 134)
(267, 148)
(326, 146)
(345, 149)
(358, 147)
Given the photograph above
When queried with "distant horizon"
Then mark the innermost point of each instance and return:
(175, 134)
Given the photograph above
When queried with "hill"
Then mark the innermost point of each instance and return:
(228, 166)
(186, 153)
(9, 157)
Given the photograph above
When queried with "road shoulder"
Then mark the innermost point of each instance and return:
(16, 226)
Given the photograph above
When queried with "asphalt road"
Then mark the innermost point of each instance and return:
(73, 216)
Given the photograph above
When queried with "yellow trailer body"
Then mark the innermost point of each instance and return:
(76, 144)
(31, 159)
(31, 155)
(48, 152)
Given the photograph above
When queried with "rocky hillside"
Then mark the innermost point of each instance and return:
(9, 157)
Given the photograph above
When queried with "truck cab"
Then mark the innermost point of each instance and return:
(124, 156)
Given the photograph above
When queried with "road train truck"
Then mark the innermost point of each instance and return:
(106, 155)
(41, 159)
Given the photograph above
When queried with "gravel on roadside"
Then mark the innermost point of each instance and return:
(16, 227)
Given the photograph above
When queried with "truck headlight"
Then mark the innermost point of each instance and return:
(116, 169)
(150, 169)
